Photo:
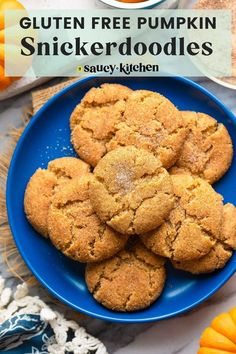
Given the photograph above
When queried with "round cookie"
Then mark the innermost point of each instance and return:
(228, 231)
(215, 259)
(130, 281)
(153, 123)
(194, 223)
(221, 252)
(207, 151)
(75, 229)
(93, 121)
(131, 191)
(44, 183)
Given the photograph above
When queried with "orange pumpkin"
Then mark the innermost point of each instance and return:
(220, 337)
(6, 5)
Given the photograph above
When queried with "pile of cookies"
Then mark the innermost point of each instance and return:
(139, 195)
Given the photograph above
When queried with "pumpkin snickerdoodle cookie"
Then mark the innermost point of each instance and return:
(113, 115)
(131, 191)
(207, 151)
(228, 231)
(153, 123)
(221, 251)
(130, 281)
(75, 229)
(194, 224)
(43, 185)
(215, 259)
(93, 121)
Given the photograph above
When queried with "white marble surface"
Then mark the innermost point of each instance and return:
(179, 335)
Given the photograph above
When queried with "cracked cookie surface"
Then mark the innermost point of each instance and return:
(207, 151)
(221, 251)
(44, 183)
(131, 191)
(75, 229)
(153, 123)
(194, 224)
(215, 259)
(94, 120)
(228, 231)
(130, 281)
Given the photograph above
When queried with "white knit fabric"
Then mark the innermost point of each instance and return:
(21, 303)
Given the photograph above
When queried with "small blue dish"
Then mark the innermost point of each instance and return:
(47, 137)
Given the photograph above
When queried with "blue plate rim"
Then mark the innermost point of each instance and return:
(23, 254)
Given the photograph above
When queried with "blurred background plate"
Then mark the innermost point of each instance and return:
(229, 82)
(148, 4)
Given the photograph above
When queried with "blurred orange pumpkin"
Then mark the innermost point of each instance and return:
(6, 5)
(220, 337)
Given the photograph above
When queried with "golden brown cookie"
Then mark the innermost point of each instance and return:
(44, 183)
(207, 151)
(222, 250)
(130, 281)
(131, 191)
(215, 259)
(228, 231)
(153, 123)
(194, 223)
(75, 229)
(94, 119)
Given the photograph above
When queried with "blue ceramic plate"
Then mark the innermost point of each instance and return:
(47, 137)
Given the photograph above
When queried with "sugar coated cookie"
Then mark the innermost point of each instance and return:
(221, 251)
(130, 281)
(75, 229)
(194, 224)
(131, 191)
(153, 123)
(228, 231)
(93, 121)
(44, 183)
(215, 259)
(113, 116)
(207, 151)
